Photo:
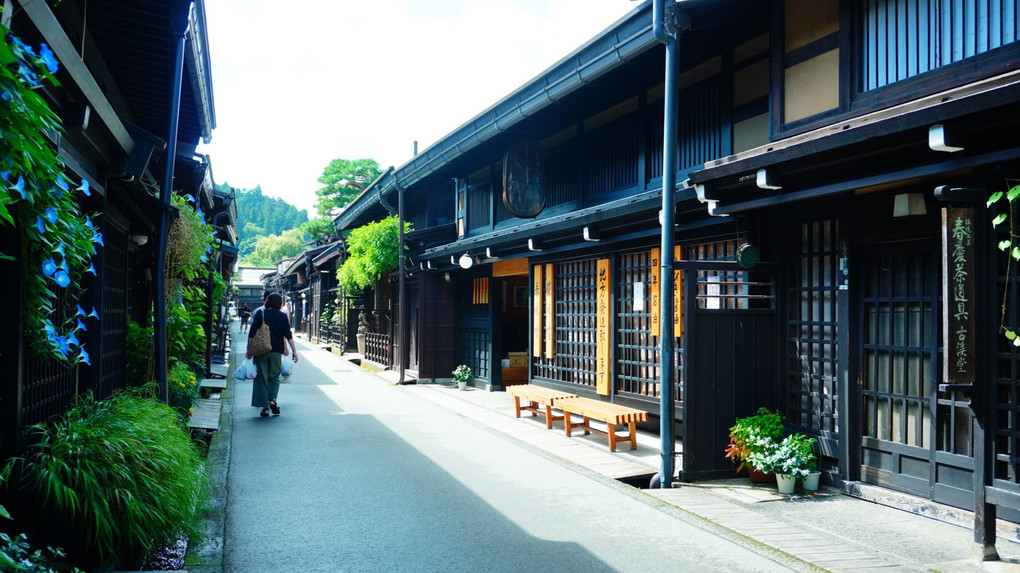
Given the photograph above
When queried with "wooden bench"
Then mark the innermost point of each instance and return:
(611, 414)
(538, 395)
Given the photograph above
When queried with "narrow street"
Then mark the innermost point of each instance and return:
(359, 475)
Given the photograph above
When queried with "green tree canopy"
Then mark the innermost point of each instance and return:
(259, 215)
(273, 248)
(344, 179)
(371, 253)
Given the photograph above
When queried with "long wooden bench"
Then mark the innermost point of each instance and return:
(611, 414)
(537, 395)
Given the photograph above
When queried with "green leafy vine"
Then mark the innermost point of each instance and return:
(1011, 246)
(41, 203)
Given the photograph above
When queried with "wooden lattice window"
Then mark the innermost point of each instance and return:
(637, 350)
(575, 330)
(812, 325)
(480, 291)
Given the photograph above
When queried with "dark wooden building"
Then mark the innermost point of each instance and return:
(835, 258)
(113, 100)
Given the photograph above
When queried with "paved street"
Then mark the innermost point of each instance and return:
(360, 475)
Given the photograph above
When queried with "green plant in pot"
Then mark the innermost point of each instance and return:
(461, 375)
(790, 459)
(754, 434)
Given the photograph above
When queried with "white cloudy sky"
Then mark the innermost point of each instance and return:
(300, 83)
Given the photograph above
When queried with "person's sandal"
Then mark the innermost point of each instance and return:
(274, 407)
(264, 413)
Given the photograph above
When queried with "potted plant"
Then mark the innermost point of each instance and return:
(790, 459)
(461, 375)
(758, 433)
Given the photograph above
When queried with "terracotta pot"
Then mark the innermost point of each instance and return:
(758, 476)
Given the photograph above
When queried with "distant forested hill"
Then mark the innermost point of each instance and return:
(259, 216)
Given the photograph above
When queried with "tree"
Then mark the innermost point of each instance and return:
(259, 216)
(344, 180)
(371, 253)
(318, 227)
(269, 250)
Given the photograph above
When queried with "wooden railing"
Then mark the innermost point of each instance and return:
(377, 348)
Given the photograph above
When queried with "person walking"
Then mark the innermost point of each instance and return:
(266, 385)
(245, 316)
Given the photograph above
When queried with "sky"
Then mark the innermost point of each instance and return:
(298, 84)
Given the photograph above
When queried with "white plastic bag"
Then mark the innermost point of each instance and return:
(241, 372)
(250, 371)
(287, 366)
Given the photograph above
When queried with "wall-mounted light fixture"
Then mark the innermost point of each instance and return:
(909, 205)
(139, 240)
(446, 277)
(465, 261)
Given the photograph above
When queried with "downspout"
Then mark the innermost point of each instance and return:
(667, 343)
(180, 15)
(401, 292)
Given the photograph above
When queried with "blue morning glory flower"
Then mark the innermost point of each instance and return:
(39, 224)
(61, 182)
(88, 223)
(20, 186)
(93, 314)
(84, 356)
(24, 47)
(60, 249)
(29, 77)
(72, 339)
(6, 96)
(63, 348)
(62, 278)
(84, 187)
(5, 175)
(98, 239)
(81, 325)
(51, 214)
(49, 267)
(190, 198)
(46, 54)
(203, 258)
(80, 311)
(91, 269)
(50, 331)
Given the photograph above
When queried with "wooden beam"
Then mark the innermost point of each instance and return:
(41, 15)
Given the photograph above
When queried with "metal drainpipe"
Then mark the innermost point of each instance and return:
(180, 15)
(666, 341)
(401, 294)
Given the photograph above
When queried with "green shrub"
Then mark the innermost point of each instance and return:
(183, 388)
(757, 433)
(123, 471)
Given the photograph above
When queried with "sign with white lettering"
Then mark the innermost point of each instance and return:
(958, 320)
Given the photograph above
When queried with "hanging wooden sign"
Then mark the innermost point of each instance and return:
(958, 319)
(550, 313)
(678, 294)
(603, 309)
(654, 287)
(536, 312)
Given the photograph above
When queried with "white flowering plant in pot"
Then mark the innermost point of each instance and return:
(462, 374)
(794, 457)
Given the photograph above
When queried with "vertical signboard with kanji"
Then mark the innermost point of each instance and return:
(678, 294)
(603, 310)
(536, 313)
(958, 327)
(654, 286)
(550, 313)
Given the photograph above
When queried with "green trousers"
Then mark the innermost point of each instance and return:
(266, 384)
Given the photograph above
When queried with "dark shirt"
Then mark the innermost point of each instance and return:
(279, 327)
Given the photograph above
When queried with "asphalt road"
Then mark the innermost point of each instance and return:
(360, 475)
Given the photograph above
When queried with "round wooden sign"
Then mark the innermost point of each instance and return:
(523, 179)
